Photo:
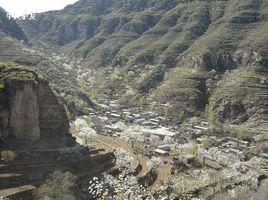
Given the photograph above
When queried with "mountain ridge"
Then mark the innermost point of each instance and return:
(9, 26)
(175, 52)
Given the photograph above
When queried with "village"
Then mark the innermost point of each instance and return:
(159, 153)
(188, 158)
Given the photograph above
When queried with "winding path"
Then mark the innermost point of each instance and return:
(112, 143)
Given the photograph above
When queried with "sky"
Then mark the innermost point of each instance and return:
(18, 8)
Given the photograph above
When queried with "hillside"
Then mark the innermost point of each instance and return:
(15, 47)
(178, 51)
(10, 26)
(166, 99)
(35, 138)
(147, 32)
(107, 33)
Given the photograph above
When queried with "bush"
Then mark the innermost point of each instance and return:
(206, 143)
(194, 120)
(58, 186)
(175, 114)
(210, 115)
(98, 124)
(7, 156)
(181, 115)
(81, 106)
(193, 149)
(241, 133)
(168, 113)
(2, 87)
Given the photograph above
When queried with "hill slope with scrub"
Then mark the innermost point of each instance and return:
(183, 52)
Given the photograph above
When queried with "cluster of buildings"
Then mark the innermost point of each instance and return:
(184, 147)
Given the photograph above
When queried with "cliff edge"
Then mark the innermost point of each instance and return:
(29, 110)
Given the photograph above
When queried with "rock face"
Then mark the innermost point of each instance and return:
(53, 121)
(29, 109)
(22, 97)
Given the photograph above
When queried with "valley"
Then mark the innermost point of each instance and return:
(143, 99)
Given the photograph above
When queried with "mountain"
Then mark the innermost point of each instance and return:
(189, 53)
(37, 101)
(9, 26)
(15, 47)
(146, 32)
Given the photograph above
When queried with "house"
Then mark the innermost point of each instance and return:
(161, 152)
(164, 147)
(115, 115)
(154, 120)
(136, 116)
(204, 123)
(196, 132)
(149, 114)
(149, 124)
(201, 128)
(140, 121)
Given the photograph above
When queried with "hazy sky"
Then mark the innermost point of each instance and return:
(18, 8)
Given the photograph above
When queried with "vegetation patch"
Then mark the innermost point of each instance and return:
(15, 71)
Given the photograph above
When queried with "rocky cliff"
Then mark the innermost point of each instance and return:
(29, 108)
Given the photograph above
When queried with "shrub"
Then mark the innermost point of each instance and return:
(193, 149)
(98, 125)
(206, 143)
(7, 156)
(194, 120)
(181, 115)
(81, 106)
(210, 116)
(168, 113)
(241, 133)
(59, 185)
(175, 114)
(2, 87)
